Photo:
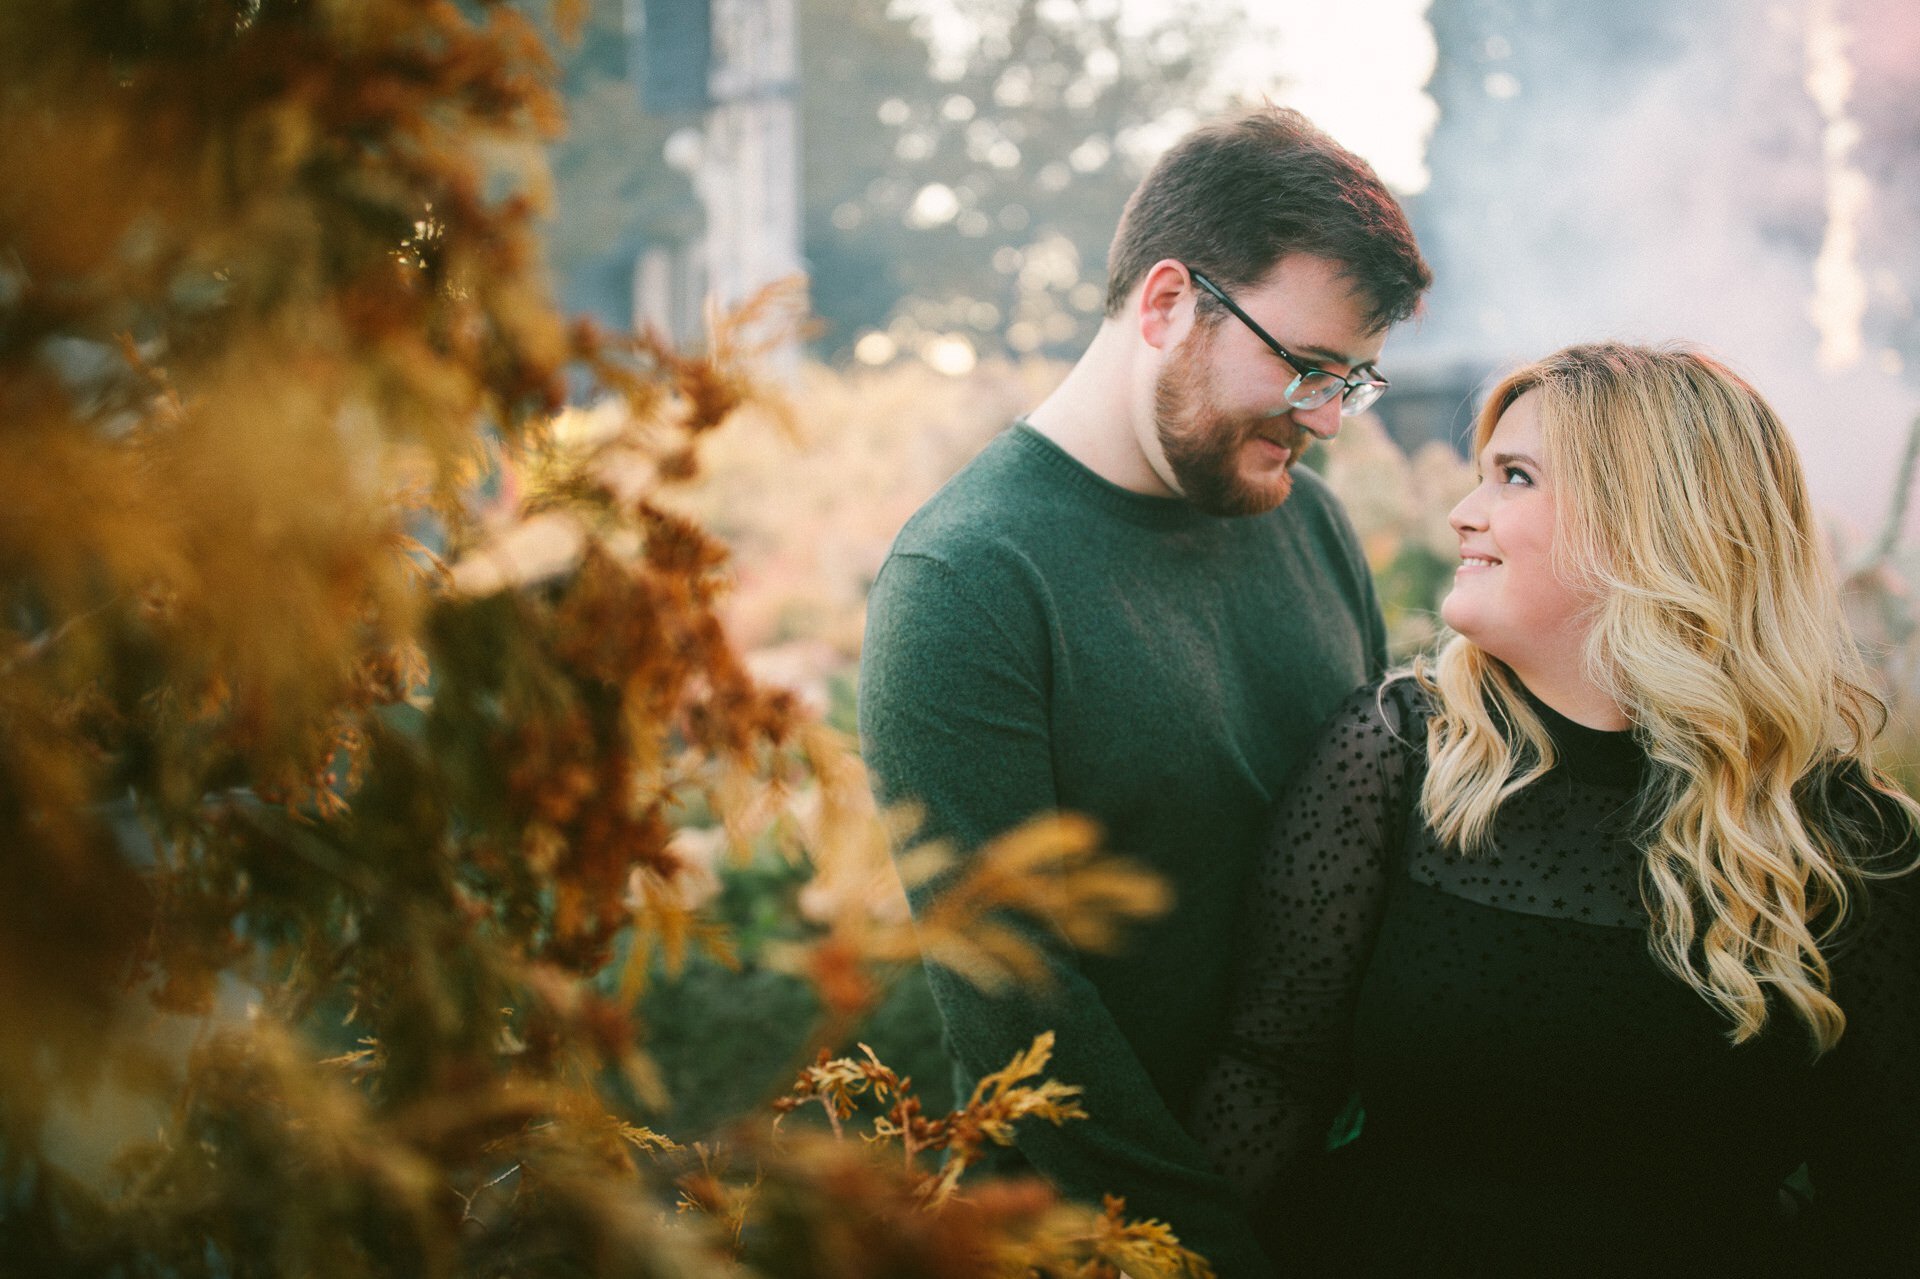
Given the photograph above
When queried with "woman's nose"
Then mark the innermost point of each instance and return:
(1466, 513)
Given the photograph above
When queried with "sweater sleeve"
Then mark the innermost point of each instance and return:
(1284, 1071)
(953, 718)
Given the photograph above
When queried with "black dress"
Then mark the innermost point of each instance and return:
(1540, 1095)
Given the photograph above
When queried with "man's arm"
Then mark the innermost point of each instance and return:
(953, 717)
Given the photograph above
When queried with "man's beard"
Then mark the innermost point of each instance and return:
(1203, 445)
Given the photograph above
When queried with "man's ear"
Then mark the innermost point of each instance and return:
(1165, 308)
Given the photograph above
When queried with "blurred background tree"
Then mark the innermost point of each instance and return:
(964, 191)
(615, 194)
(974, 190)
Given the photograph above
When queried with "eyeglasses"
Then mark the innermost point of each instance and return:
(1311, 387)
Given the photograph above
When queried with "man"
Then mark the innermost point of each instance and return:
(1132, 605)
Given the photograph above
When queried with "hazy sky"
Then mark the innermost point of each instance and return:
(1358, 69)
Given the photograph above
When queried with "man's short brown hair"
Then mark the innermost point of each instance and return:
(1235, 196)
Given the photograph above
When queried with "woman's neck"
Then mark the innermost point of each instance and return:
(1575, 696)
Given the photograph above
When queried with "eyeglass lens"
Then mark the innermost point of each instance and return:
(1316, 388)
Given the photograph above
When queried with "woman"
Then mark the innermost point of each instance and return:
(1600, 916)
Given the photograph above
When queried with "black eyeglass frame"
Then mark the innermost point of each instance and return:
(1357, 394)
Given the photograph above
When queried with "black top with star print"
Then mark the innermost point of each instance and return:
(1540, 1094)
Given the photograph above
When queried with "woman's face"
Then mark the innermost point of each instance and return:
(1507, 596)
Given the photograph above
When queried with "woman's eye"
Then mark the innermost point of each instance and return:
(1514, 475)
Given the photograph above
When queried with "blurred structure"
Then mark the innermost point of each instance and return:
(675, 52)
(1432, 402)
(731, 67)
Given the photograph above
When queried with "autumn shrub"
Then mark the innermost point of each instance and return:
(370, 733)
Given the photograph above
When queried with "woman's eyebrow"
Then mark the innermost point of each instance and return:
(1508, 459)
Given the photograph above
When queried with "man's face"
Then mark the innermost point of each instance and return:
(1220, 409)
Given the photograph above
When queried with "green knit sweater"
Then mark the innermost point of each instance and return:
(1040, 639)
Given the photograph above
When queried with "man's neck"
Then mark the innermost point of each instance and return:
(1090, 415)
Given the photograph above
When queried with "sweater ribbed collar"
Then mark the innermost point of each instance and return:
(1136, 508)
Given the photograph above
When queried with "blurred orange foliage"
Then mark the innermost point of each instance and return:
(359, 715)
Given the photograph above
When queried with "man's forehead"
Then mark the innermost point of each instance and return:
(1316, 311)
(1320, 341)
(1365, 353)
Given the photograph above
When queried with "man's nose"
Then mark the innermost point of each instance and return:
(1322, 423)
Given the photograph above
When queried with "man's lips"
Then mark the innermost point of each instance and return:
(1289, 444)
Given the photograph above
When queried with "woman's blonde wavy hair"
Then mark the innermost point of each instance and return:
(1717, 627)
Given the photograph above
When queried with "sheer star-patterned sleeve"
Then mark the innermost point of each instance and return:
(1284, 1069)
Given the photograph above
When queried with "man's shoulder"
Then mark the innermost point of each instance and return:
(990, 505)
(971, 568)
